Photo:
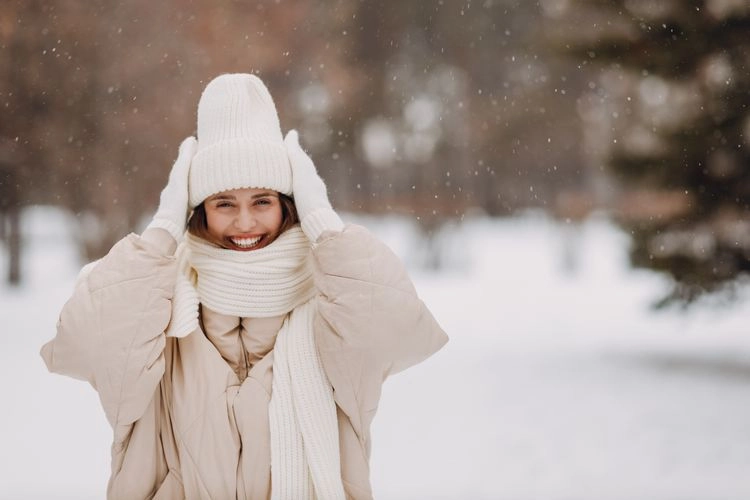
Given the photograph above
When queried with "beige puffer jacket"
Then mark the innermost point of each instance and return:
(190, 415)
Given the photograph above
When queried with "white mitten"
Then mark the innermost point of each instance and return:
(309, 192)
(173, 202)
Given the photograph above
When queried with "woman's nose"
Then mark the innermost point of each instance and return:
(245, 221)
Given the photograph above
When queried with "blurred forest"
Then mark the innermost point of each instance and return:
(668, 115)
(434, 109)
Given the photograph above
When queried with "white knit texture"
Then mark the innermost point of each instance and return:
(255, 284)
(305, 458)
(261, 283)
(239, 140)
(320, 220)
(184, 319)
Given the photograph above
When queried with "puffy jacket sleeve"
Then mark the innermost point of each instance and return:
(370, 322)
(111, 331)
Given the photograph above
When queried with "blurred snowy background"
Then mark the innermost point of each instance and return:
(559, 381)
(567, 180)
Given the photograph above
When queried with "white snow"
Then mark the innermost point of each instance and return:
(559, 382)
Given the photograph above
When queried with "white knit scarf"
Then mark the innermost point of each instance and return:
(266, 282)
(274, 280)
(305, 460)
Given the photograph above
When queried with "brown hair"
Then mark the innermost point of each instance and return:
(198, 223)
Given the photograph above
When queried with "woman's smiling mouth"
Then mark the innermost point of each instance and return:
(245, 243)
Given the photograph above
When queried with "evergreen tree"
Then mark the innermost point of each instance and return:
(671, 108)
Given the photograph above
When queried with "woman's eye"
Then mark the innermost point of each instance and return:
(223, 204)
(263, 201)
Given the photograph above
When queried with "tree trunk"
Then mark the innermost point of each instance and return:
(10, 221)
(13, 216)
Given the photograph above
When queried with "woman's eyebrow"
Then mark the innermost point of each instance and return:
(267, 193)
(222, 197)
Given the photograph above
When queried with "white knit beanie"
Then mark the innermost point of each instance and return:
(239, 140)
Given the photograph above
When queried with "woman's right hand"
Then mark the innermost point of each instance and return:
(173, 202)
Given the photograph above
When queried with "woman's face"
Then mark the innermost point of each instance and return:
(244, 219)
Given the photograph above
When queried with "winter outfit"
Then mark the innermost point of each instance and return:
(249, 375)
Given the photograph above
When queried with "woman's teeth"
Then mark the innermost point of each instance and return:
(246, 242)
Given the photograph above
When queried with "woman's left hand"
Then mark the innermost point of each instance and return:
(309, 192)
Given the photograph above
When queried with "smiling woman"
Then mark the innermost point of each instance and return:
(243, 219)
(243, 360)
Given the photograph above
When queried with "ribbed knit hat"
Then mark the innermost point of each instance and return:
(239, 140)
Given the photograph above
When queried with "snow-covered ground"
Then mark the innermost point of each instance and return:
(558, 381)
